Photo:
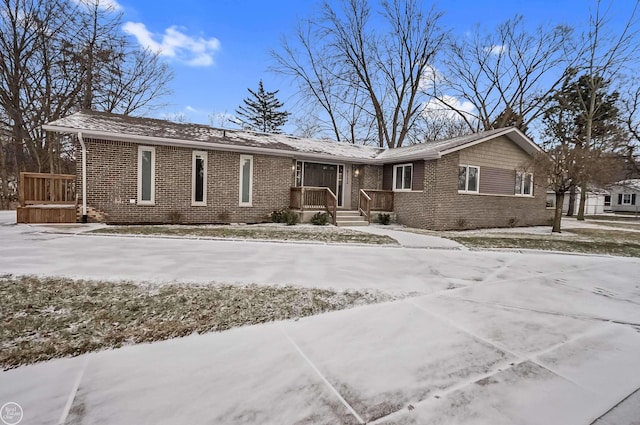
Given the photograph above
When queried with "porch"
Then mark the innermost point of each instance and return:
(322, 199)
(47, 198)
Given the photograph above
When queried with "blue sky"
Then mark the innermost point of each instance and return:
(219, 48)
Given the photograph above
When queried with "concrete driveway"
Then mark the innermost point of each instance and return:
(483, 338)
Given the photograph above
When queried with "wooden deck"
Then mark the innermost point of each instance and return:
(47, 198)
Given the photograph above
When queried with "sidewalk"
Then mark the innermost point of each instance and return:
(409, 239)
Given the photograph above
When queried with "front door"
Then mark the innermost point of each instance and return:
(323, 175)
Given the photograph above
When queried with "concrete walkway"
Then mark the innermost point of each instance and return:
(409, 239)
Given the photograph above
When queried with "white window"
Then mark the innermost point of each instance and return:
(199, 178)
(402, 176)
(524, 184)
(146, 175)
(468, 178)
(626, 199)
(246, 180)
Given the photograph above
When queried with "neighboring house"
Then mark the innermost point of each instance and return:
(597, 201)
(140, 170)
(625, 196)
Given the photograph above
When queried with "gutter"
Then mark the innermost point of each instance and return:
(84, 177)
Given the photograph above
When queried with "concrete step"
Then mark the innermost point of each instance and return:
(343, 223)
(341, 213)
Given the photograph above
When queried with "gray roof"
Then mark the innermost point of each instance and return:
(153, 131)
(633, 184)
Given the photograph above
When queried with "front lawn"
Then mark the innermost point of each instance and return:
(583, 240)
(327, 234)
(45, 318)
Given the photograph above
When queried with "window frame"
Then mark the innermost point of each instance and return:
(241, 182)
(522, 176)
(395, 179)
(205, 157)
(466, 180)
(624, 195)
(152, 191)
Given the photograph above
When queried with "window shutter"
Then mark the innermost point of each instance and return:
(633, 199)
(619, 198)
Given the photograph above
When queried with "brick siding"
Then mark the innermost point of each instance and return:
(369, 177)
(434, 203)
(112, 176)
(440, 207)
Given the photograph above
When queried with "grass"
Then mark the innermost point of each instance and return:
(609, 217)
(46, 318)
(583, 240)
(284, 233)
(621, 225)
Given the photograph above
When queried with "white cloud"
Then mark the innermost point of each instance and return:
(496, 50)
(109, 5)
(223, 119)
(437, 107)
(175, 44)
(430, 78)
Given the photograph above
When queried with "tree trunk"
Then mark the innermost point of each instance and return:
(572, 201)
(557, 219)
(583, 200)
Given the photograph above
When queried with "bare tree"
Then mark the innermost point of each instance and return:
(439, 126)
(116, 76)
(630, 118)
(603, 56)
(506, 74)
(568, 162)
(58, 56)
(362, 74)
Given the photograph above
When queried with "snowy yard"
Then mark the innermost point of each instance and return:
(476, 337)
(48, 318)
(281, 232)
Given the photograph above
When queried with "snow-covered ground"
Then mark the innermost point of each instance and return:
(488, 338)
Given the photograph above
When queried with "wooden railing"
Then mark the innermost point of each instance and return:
(42, 188)
(364, 205)
(374, 200)
(308, 197)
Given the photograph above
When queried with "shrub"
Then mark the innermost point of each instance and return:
(384, 218)
(320, 219)
(462, 223)
(290, 217)
(276, 216)
(286, 216)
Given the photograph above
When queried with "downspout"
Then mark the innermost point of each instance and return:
(84, 177)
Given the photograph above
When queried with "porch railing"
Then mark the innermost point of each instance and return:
(309, 197)
(374, 200)
(43, 188)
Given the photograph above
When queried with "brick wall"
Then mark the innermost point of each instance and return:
(369, 177)
(112, 173)
(440, 207)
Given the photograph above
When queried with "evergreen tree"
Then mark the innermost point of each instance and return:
(261, 112)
